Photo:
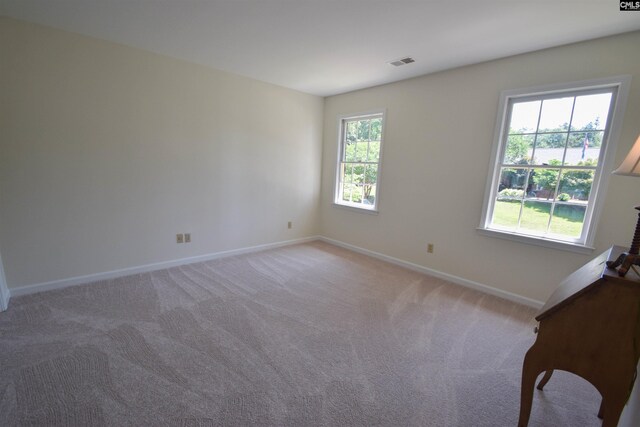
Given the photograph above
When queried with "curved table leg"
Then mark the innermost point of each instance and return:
(545, 379)
(611, 409)
(530, 372)
(547, 376)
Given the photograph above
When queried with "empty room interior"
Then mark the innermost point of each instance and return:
(319, 213)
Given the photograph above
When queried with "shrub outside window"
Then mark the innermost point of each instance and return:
(358, 171)
(551, 155)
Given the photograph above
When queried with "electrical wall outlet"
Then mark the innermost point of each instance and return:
(290, 224)
(180, 238)
(187, 237)
(430, 248)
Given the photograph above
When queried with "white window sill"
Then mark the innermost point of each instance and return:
(538, 241)
(356, 208)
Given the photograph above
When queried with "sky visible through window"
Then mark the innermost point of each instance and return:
(524, 117)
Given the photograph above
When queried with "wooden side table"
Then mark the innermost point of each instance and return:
(589, 327)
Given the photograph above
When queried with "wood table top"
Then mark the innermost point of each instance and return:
(585, 279)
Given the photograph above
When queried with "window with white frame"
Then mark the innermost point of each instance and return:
(358, 171)
(552, 152)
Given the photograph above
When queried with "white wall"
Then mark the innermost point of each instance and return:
(439, 134)
(107, 152)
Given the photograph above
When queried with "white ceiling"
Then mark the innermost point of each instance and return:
(326, 47)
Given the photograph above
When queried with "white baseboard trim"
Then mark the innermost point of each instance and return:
(80, 280)
(5, 295)
(446, 276)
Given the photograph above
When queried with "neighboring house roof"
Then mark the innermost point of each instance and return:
(573, 156)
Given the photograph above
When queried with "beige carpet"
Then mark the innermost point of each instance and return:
(306, 335)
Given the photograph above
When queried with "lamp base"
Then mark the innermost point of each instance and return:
(625, 261)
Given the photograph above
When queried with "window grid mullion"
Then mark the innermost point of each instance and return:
(535, 138)
(368, 144)
(566, 142)
(561, 170)
(524, 196)
(553, 202)
(345, 126)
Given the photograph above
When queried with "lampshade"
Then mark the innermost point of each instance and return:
(631, 164)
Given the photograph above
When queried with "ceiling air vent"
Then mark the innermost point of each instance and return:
(403, 61)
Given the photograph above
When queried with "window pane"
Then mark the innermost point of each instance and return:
(376, 129)
(512, 183)
(584, 148)
(352, 131)
(361, 152)
(544, 183)
(367, 188)
(371, 174)
(568, 219)
(555, 115)
(346, 192)
(358, 173)
(524, 117)
(347, 172)
(506, 213)
(352, 193)
(549, 147)
(350, 151)
(374, 151)
(519, 149)
(552, 140)
(363, 130)
(591, 112)
(535, 216)
(370, 195)
(593, 139)
(548, 156)
(575, 186)
(356, 193)
(345, 196)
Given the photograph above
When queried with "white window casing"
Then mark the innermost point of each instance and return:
(619, 88)
(359, 160)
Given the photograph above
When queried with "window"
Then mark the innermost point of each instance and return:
(358, 171)
(552, 152)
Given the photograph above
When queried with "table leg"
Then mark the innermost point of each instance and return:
(601, 410)
(545, 379)
(611, 408)
(530, 371)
